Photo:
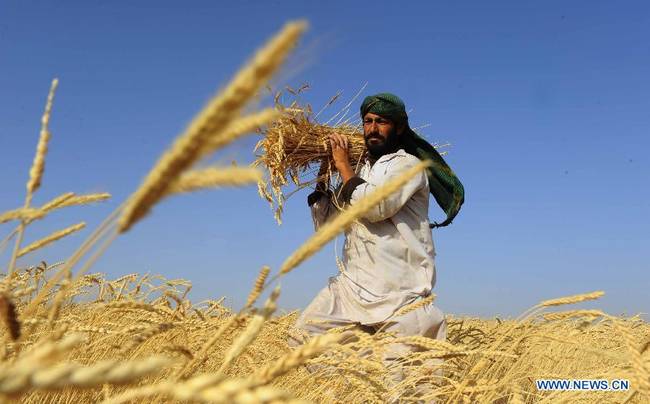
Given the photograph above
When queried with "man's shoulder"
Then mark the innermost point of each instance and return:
(400, 157)
(396, 163)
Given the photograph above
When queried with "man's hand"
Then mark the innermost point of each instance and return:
(340, 155)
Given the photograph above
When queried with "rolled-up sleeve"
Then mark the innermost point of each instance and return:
(349, 187)
(380, 175)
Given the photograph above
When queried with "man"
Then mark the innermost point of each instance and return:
(388, 255)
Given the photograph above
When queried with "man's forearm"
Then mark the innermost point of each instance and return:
(346, 172)
(350, 181)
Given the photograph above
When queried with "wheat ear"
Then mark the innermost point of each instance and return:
(51, 238)
(238, 128)
(38, 166)
(85, 199)
(56, 202)
(214, 177)
(258, 287)
(573, 313)
(415, 305)
(572, 299)
(533, 311)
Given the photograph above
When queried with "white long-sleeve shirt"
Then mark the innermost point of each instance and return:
(388, 255)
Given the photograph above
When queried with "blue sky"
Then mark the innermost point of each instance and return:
(545, 105)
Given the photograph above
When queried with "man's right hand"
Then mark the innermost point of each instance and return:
(340, 155)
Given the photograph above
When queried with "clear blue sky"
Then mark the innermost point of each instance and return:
(547, 105)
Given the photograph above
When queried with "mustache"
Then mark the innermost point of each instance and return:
(374, 136)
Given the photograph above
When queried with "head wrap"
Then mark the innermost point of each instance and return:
(444, 185)
(385, 104)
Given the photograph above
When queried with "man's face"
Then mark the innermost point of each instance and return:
(380, 134)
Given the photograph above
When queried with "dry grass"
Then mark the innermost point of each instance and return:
(77, 337)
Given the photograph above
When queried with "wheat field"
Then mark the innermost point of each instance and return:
(72, 336)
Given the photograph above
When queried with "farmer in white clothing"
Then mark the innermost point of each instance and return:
(388, 255)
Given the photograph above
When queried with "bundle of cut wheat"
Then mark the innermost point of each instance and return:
(293, 145)
(296, 145)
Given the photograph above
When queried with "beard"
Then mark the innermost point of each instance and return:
(382, 146)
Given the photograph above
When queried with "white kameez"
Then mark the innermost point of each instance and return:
(388, 255)
(388, 262)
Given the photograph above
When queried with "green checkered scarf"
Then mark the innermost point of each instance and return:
(444, 185)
